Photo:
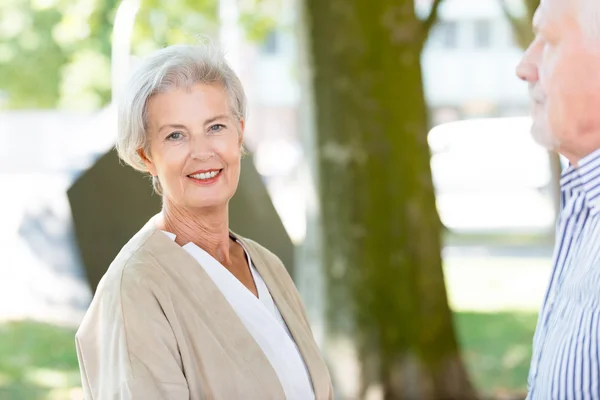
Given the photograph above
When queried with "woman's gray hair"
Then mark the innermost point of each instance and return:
(178, 66)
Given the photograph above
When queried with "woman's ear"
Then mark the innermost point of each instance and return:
(147, 162)
(242, 128)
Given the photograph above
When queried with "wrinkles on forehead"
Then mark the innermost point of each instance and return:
(588, 14)
(559, 5)
(584, 15)
(557, 19)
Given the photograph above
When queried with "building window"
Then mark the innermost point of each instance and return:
(271, 43)
(448, 34)
(483, 34)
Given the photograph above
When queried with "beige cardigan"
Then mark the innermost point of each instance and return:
(159, 328)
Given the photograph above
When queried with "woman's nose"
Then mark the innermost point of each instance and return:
(201, 149)
(203, 156)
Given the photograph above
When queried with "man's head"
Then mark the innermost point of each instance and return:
(562, 67)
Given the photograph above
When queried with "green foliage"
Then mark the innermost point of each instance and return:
(56, 53)
(259, 17)
(160, 23)
(30, 57)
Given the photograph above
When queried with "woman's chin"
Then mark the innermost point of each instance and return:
(216, 202)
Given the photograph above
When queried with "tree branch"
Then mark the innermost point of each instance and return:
(514, 21)
(431, 19)
(520, 26)
(532, 5)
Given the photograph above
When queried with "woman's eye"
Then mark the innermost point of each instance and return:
(174, 136)
(216, 128)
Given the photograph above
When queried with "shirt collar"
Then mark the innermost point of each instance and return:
(585, 178)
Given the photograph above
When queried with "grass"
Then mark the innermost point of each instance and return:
(38, 361)
(496, 349)
(490, 284)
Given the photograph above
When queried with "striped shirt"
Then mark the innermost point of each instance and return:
(566, 346)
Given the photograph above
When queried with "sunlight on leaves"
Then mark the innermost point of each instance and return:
(7, 52)
(12, 22)
(71, 30)
(61, 35)
(43, 4)
(29, 41)
(173, 24)
(75, 24)
(259, 17)
(84, 80)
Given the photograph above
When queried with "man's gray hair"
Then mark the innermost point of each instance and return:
(589, 16)
(178, 66)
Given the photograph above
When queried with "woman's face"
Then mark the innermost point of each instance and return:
(195, 145)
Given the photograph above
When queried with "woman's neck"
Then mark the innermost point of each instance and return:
(208, 229)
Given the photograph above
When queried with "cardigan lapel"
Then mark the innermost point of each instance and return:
(229, 326)
(299, 330)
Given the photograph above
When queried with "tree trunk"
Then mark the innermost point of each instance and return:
(380, 224)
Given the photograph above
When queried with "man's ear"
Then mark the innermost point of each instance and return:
(147, 162)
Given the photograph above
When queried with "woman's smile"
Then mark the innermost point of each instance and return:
(206, 177)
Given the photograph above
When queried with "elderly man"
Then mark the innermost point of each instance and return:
(562, 67)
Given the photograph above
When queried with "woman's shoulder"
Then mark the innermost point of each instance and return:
(133, 275)
(135, 263)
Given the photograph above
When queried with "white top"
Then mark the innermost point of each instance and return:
(262, 319)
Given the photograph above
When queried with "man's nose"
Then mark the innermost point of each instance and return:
(527, 69)
(527, 72)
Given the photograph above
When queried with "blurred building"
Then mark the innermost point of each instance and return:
(468, 67)
(469, 62)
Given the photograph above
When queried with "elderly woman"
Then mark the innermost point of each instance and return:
(188, 309)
